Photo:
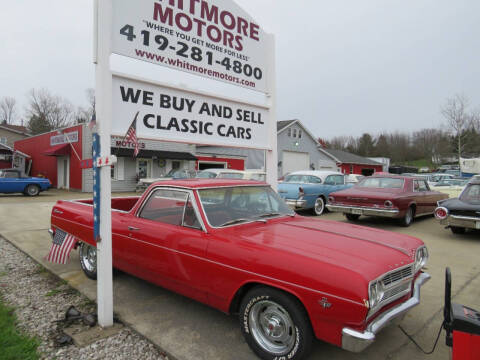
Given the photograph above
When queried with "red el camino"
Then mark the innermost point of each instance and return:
(236, 246)
(400, 197)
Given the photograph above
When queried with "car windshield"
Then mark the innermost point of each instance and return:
(206, 175)
(234, 205)
(299, 178)
(230, 176)
(471, 194)
(382, 183)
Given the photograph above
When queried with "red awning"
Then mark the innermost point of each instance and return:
(59, 150)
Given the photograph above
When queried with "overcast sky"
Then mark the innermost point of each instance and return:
(343, 67)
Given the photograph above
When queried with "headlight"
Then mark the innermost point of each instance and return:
(331, 199)
(421, 258)
(388, 203)
(375, 293)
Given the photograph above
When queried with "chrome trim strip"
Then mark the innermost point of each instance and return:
(341, 208)
(460, 217)
(357, 341)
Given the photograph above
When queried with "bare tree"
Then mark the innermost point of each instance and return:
(84, 114)
(458, 119)
(8, 110)
(48, 112)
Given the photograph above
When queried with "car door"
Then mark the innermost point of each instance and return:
(168, 243)
(11, 182)
(420, 189)
(431, 198)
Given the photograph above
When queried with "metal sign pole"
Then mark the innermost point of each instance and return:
(103, 94)
(271, 156)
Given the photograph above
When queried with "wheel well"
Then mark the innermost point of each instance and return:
(237, 299)
(414, 208)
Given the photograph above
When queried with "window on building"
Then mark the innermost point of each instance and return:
(3, 140)
(175, 165)
(351, 169)
(294, 133)
(289, 132)
(112, 172)
(299, 134)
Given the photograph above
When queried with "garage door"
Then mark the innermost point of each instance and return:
(295, 161)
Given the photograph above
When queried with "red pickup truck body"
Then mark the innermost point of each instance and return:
(328, 266)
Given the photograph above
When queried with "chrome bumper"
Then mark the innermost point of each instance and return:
(296, 204)
(356, 341)
(50, 232)
(461, 221)
(358, 210)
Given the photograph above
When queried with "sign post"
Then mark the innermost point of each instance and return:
(103, 95)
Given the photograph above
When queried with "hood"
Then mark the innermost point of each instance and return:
(363, 250)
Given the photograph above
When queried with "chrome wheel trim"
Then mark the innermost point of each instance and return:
(32, 190)
(89, 257)
(319, 206)
(272, 327)
(409, 216)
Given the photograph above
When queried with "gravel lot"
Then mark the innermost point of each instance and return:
(40, 298)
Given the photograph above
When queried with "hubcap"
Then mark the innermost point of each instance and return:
(89, 257)
(32, 190)
(318, 206)
(272, 327)
(408, 216)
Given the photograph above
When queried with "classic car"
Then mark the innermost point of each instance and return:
(236, 246)
(310, 189)
(173, 174)
(452, 187)
(15, 181)
(220, 174)
(394, 196)
(463, 212)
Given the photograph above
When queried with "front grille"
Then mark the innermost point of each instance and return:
(397, 276)
(396, 290)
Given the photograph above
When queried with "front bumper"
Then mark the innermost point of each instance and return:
(360, 210)
(296, 204)
(461, 221)
(356, 341)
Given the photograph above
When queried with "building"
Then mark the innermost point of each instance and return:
(382, 160)
(8, 135)
(353, 164)
(298, 149)
(58, 156)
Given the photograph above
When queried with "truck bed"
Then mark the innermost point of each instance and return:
(120, 203)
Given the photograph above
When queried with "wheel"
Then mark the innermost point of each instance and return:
(407, 220)
(352, 217)
(319, 206)
(32, 190)
(275, 325)
(88, 260)
(457, 230)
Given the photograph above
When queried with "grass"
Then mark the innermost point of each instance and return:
(13, 344)
(421, 163)
(53, 292)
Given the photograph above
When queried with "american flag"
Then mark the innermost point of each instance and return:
(131, 135)
(62, 244)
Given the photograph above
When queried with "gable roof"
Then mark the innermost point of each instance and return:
(282, 124)
(349, 158)
(15, 128)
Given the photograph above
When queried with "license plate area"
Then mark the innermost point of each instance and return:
(477, 225)
(359, 212)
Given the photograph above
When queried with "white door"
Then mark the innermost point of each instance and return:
(63, 172)
(295, 161)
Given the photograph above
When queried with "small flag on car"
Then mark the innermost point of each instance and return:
(131, 135)
(62, 244)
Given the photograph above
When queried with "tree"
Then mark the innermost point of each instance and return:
(382, 147)
(458, 119)
(48, 112)
(8, 110)
(366, 145)
(82, 114)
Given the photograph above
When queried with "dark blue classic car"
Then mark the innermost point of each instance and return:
(310, 189)
(14, 181)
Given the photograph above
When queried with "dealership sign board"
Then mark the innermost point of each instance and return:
(171, 114)
(214, 39)
(71, 137)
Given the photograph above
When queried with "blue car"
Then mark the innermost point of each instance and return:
(14, 181)
(310, 189)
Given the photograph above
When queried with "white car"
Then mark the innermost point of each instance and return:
(220, 173)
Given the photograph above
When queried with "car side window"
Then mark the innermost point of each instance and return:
(11, 174)
(419, 185)
(190, 218)
(334, 180)
(165, 206)
(314, 180)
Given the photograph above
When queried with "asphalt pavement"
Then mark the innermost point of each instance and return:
(187, 330)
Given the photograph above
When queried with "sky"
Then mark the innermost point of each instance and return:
(343, 67)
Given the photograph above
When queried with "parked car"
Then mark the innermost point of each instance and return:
(452, 187)
(354, 178)
(310, 189)
(463, 212)
(234, 245)
(220, 173)
(394, 196)
(15, 181)
(173, 174)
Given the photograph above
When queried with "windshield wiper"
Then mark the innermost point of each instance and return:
(235, 221)
(269, 214)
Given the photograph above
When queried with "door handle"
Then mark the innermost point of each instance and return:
(133, 228)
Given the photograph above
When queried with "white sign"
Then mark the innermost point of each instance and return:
(174, 115)
(106, 161)
(71, 137)
(219, 41)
